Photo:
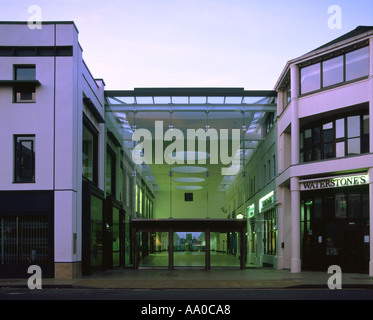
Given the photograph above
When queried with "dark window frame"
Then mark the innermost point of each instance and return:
(304, 151)
(113, 156)
(90, 127)
(20, 89)
(321, 62)
(19, 176)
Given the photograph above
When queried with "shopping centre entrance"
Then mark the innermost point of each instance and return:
(187, 176)
(189, 243)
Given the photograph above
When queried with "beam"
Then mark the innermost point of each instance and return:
(193, 107)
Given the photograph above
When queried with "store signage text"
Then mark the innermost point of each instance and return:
(334, 182)
(266, 201)
(251, 211)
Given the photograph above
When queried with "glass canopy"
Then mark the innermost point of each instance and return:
(190, 140)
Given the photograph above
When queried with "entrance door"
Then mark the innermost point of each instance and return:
(189, 249)
(334, 230)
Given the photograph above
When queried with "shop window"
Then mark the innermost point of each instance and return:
(24, 92)
(116, 238)
(318, 207)
(354, 201)
(340, 206)
(96, 232)
(270, 232)
(365, 205)
(24, 156)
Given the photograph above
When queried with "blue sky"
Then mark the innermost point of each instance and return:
(194, 43)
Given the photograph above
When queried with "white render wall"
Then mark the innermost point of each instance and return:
(56, 120)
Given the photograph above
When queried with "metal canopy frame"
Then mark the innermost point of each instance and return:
(123, 105)
(231, 99)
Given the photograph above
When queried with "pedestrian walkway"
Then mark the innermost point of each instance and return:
(251, 278)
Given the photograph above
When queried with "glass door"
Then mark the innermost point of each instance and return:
(189, 249)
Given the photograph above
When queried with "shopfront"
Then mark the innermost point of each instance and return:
(195, 239)
(26, 232)
(335, 223)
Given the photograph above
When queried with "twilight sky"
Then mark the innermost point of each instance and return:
(195, 43)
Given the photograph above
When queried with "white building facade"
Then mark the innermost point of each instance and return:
(43, 83)
(325, 160)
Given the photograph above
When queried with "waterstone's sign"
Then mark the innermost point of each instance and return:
(334, 182)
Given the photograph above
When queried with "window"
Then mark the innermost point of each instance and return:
(24, 92)
(110, 172)
(347, 67)
(310, 78)
(24, 164)
(336, 138)
(357, 64)
(128, 190)
(269, 122)
(89, 156)
(287, 95)
(365, 134)
(340, 206)
(328, 137)
(332, 71)
(353, 134)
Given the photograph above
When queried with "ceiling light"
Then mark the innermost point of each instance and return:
(189, 155)
(189, 179)
(189, 169)
(188, 187)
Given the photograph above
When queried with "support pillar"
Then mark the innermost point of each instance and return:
(135, 250)
(170, 250)
(371, 96)
(207, 250)
(294, 115)
(370, 172)
(295, 225)
(280, 228)
(243, 248)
